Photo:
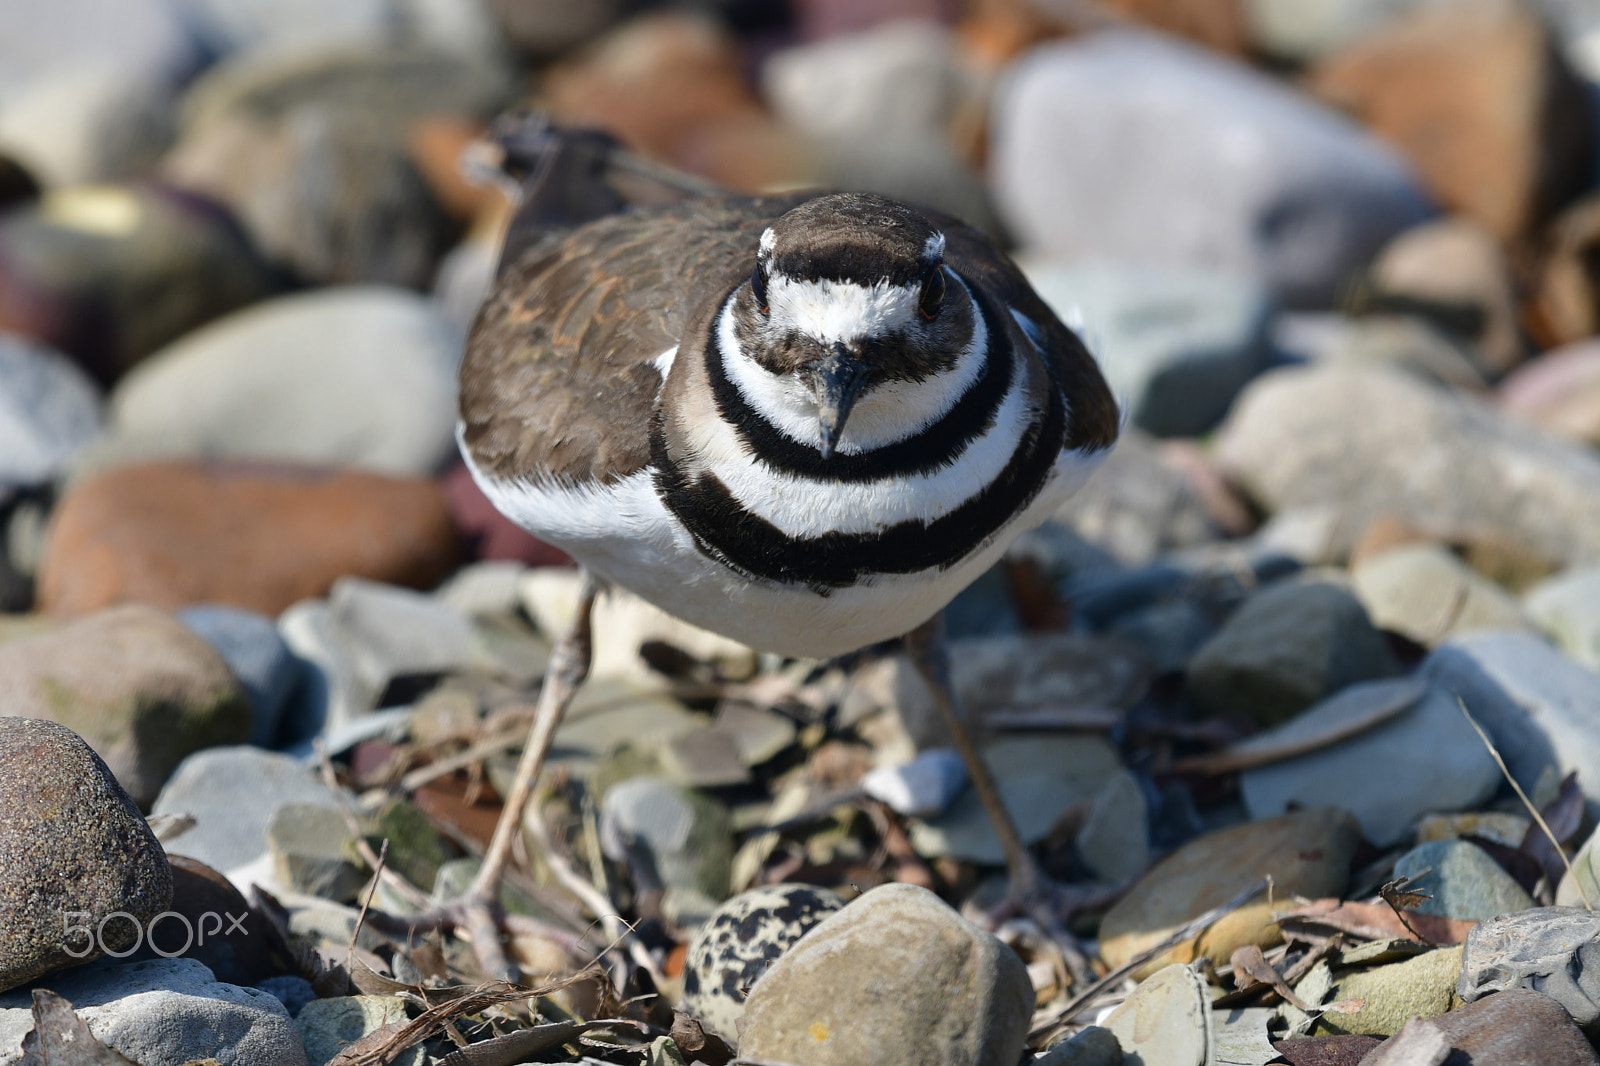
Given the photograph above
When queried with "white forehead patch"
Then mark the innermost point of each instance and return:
(933, 247)
(768, 240)
(840, 310)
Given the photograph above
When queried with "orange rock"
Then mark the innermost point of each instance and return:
(653, 82)
(1478, 97)
(255, 536)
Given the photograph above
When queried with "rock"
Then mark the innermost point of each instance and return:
(328, 1026)
(261, 538)
(546, 28)
(1288, 646)
(1176, 346)
(73, 849)
(232, 792)
(1580, 886)
(739, 942)
(139, 686)
(490, 589)
(369, 637)
(922, 787)
(358, 376)
(1567, 299)
(1167, 1019)
(1307, 853)
(147, 40)
(1294, 31)
(48, 411)
(1559, 391)
(1481, 102)
(882, 107)
(605, 715)
(1568, 608)
(1342, 1049)
(1469, 469)
(165, 1013)
(1498, 827)
(293, 992)
(1195, 162)
(1040, 775)
(1419, 987)
(1425, 759)
(79, 125)
(416, 850)
(895, 977)
(1115, 839)
(110, 273)
(1518, 1025)
(215, 926)
(1425, 592)
(313, 852)
(1537, 705)
(991, 673)
(271, 26)
(1552, 950)
(258, 657)
(685, 835)
(1454, 270)
(1463, 881)
(1090, 1046)
(1143, 507)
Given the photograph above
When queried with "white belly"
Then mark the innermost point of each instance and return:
(624, 534)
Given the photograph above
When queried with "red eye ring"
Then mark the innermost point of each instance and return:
(932, 298)
(758, 288)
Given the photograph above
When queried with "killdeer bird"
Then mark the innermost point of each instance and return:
(804, 422)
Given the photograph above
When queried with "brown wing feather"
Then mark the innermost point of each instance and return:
(558, 377)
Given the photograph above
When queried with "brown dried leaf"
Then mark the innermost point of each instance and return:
(362, 1050)
(60, 1038)
(1249, 961)
(696, 1044)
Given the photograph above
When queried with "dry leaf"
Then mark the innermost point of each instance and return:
(60, 1038)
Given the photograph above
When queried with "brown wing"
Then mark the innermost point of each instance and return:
(1094, 416)
(558, 376)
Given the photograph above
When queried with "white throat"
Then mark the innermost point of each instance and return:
(883, 415)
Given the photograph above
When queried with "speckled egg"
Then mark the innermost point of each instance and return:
(739, 941)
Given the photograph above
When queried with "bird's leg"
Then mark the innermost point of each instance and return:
(1030, 893)
(569, 666)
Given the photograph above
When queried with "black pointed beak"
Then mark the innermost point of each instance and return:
(837, 379)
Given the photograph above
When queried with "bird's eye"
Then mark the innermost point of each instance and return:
(758, 286)
(932, 294)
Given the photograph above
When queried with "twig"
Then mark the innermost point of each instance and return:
(477, 752)
(1526, 802)
(361, 917)
(1193, 927)
(412, 894)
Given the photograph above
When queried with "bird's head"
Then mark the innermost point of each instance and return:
(848, 309)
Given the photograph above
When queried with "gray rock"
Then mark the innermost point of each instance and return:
(1426, 758)
(141, 687)
(1168, 633)
(739, 942)
(686, 836)
(1175, 345)
(1401, 342)
(258, 657)
(361, 376)
(1191, 160)
(286, 27)
(1468, 468)
(1539, 707)
(292, 991)
(1040, 775)
(1580, 886)
(1167, 1019)
(231, 793)
(110, 273)
(1306, 29)
(1567, 607)
(79, 125)
(1092, 1045)
(1426, 592)
(73, 851)
(1554, 950)
(1288, 646)
(1518, 1025)
(313, 852)
(165, 1012)
(1115, 839)
(1463, 881)
(896, 978)
(922, 787)
(1455, 263)
(48, 410)
(484, 589)
(144, 37)
(327, 1026)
